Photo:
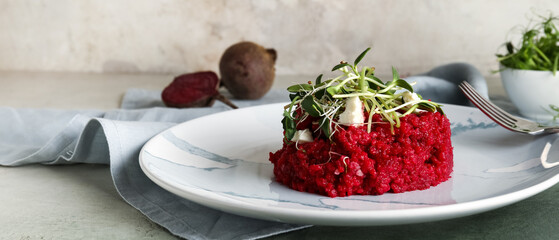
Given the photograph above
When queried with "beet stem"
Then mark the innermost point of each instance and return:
(226, 100)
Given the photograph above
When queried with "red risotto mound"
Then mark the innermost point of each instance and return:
(415, 156)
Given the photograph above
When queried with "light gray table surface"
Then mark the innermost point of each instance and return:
(80, 201)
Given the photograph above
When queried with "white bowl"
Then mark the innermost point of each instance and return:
(532, 92)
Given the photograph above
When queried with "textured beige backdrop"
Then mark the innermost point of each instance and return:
(175, 36)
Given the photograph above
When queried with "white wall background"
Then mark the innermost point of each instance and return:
(175, 36)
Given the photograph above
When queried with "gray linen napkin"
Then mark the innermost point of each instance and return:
(441, 83)
(115, 137)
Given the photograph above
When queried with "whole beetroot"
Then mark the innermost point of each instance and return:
(197, 89)
(247, 70)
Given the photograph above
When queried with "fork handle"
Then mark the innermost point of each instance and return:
(551, 129)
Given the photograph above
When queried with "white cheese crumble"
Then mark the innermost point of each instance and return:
(302, 136)
(410, 97)
(353, 113)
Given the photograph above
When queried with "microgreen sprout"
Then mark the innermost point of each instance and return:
(538, 50)
(325, 99)
(554, 108)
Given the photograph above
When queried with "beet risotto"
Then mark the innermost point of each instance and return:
(358, 135)
(416, 156)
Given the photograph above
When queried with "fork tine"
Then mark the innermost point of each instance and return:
(495, 113)
(494, 107)
(490, 104)
(487, 107)
(484, 105)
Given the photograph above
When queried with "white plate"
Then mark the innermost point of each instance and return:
(221, 161)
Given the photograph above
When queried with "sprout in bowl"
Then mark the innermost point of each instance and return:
(529, 72)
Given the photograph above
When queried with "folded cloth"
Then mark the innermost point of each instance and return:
(115, 137)
(441, 83)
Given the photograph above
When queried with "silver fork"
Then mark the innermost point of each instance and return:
(506, 120)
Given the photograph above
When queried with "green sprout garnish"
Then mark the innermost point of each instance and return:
(325, 100)
(539, 48)
(556, 114)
